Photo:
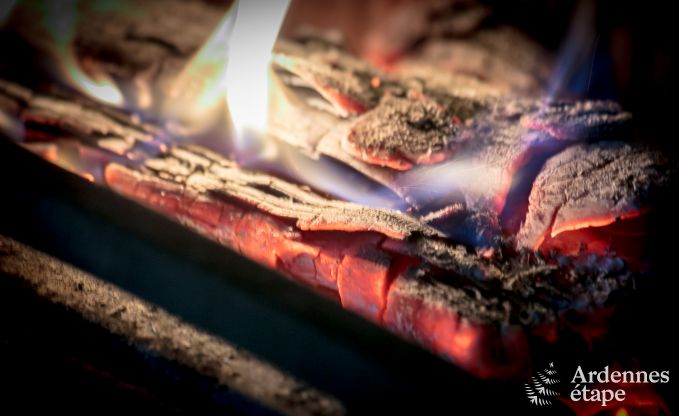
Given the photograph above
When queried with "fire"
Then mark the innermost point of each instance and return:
(248, 77)
(231, 68)
(198, 93)
(101, 87)
(472, 177)
(60, 20)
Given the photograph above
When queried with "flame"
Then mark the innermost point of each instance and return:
(102, 88)
(474, 179)
(255, 31)
(60, 20)
(199, 90)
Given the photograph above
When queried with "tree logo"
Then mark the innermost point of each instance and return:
(540, 390)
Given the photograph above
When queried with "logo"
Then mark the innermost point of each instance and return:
(603, 386)
(606, 385)
(540, 390)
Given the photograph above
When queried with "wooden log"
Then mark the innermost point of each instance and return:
(139, 349)
(360, 254)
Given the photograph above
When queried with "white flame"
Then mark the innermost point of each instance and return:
(255, 31)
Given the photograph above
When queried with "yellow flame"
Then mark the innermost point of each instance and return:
(199, 90)
(61, 20)
(102, 88)
(255, 30)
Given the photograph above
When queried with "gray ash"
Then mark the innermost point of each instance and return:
(401, 132)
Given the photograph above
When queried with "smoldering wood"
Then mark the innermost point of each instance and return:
(327, 243)
(200, 172)
(327, 84)
(204, 172)
(604, 182)
(500, 135)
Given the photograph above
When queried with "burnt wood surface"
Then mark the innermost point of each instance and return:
(490, 147)
(173, 176)
(603, 182)
(393, 374)
(558, 123)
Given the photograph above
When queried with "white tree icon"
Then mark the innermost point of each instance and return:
(538, 390)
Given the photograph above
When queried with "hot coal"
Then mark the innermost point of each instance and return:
(486, 306)
(210, 172)
(592, 185)
(430, 313)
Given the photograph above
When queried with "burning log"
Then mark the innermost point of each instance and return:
(481, 305)
(142, 51)
(407, 272)
(478, 310)
(592, 185)
(61, 115)
(407, 121)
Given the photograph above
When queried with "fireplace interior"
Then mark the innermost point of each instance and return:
(338, 207)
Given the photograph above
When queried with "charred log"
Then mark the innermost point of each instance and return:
(402, 132)
(591, 186)
(408, 121)
(488, 298)
(58, 115)
(377, 262)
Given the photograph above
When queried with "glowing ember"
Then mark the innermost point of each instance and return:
(254, 33)
(60, 20)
